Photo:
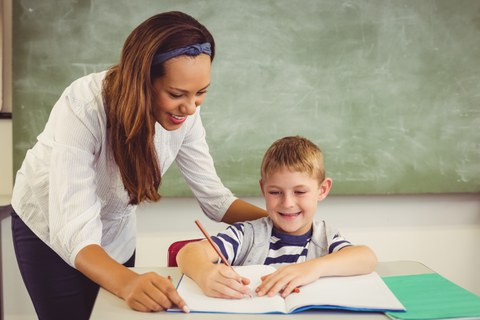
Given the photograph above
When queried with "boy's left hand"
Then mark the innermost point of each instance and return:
(286, 279)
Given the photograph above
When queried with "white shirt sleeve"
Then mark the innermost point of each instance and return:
(74, 208)
(197, 167)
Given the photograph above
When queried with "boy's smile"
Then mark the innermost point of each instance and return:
(291, 199)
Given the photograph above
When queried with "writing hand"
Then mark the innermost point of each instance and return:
(222, 281)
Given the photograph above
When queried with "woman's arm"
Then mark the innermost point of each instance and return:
(142, 292)
(197, 167)
(240, 211)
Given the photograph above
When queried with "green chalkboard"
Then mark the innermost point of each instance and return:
(390, 90)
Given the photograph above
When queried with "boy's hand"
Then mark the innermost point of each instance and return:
(286, 279)
(222, 281)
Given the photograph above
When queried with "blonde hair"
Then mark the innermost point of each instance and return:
(295, 153)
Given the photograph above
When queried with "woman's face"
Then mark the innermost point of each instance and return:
(181, 90)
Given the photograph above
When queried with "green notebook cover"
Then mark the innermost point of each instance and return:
(431, 296)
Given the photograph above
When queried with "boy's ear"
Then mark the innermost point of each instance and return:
(261, 186)
(324, 189)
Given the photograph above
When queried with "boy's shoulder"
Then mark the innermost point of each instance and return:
(264, 223)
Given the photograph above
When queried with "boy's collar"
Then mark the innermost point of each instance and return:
(292, 238)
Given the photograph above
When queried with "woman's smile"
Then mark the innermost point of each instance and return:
(177, 119)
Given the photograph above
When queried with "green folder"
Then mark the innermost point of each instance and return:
(431, 296)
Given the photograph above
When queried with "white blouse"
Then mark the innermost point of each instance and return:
(69, 190)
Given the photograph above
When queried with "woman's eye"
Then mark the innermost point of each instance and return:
(201, 93)
(174, 95)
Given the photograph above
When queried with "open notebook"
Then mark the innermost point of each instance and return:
(355, 293)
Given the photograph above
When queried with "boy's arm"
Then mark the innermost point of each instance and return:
(197, 261)
(351, 260)
(196, 257)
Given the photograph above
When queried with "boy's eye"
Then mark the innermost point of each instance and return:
(300, 192)
(274, 193)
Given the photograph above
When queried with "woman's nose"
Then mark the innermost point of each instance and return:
(189, 107)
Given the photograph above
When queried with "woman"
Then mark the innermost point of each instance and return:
(109, 139)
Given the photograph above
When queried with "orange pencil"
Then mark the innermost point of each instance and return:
(217, 250)
(214, 246)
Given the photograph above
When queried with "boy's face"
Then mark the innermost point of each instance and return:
(291, 199)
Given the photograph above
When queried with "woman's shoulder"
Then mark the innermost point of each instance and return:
(86, 87)
(84, 95)
(83, 98)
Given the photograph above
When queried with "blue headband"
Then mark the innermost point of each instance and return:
(191, 50)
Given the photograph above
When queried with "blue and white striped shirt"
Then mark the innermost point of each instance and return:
(283, 248)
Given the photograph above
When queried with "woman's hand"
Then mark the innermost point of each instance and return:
(222, 281)
(287, 279)
(142, 292)
(151, 292)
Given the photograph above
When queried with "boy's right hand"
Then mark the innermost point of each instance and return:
(221, 281)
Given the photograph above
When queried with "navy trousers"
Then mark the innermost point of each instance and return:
(57, 290)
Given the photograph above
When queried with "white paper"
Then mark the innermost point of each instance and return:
(352, 292)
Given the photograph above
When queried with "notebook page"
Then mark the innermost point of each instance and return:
(363, 292)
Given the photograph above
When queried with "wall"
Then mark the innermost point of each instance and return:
(441, 231)
(6, 144)
(6, 165)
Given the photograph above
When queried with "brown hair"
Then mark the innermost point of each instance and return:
(294, 153)
(129, 98)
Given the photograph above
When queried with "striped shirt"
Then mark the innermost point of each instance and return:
(283, 248)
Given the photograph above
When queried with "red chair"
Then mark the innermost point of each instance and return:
(173, 250)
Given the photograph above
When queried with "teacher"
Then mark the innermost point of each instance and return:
(107, 143)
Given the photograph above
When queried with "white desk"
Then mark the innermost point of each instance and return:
(108, 306)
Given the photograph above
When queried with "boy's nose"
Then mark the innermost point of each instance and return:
(288, 201)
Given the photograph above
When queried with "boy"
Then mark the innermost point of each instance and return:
(292, 182)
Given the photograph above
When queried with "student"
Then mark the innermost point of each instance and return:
(292, 182)
(107, 143)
